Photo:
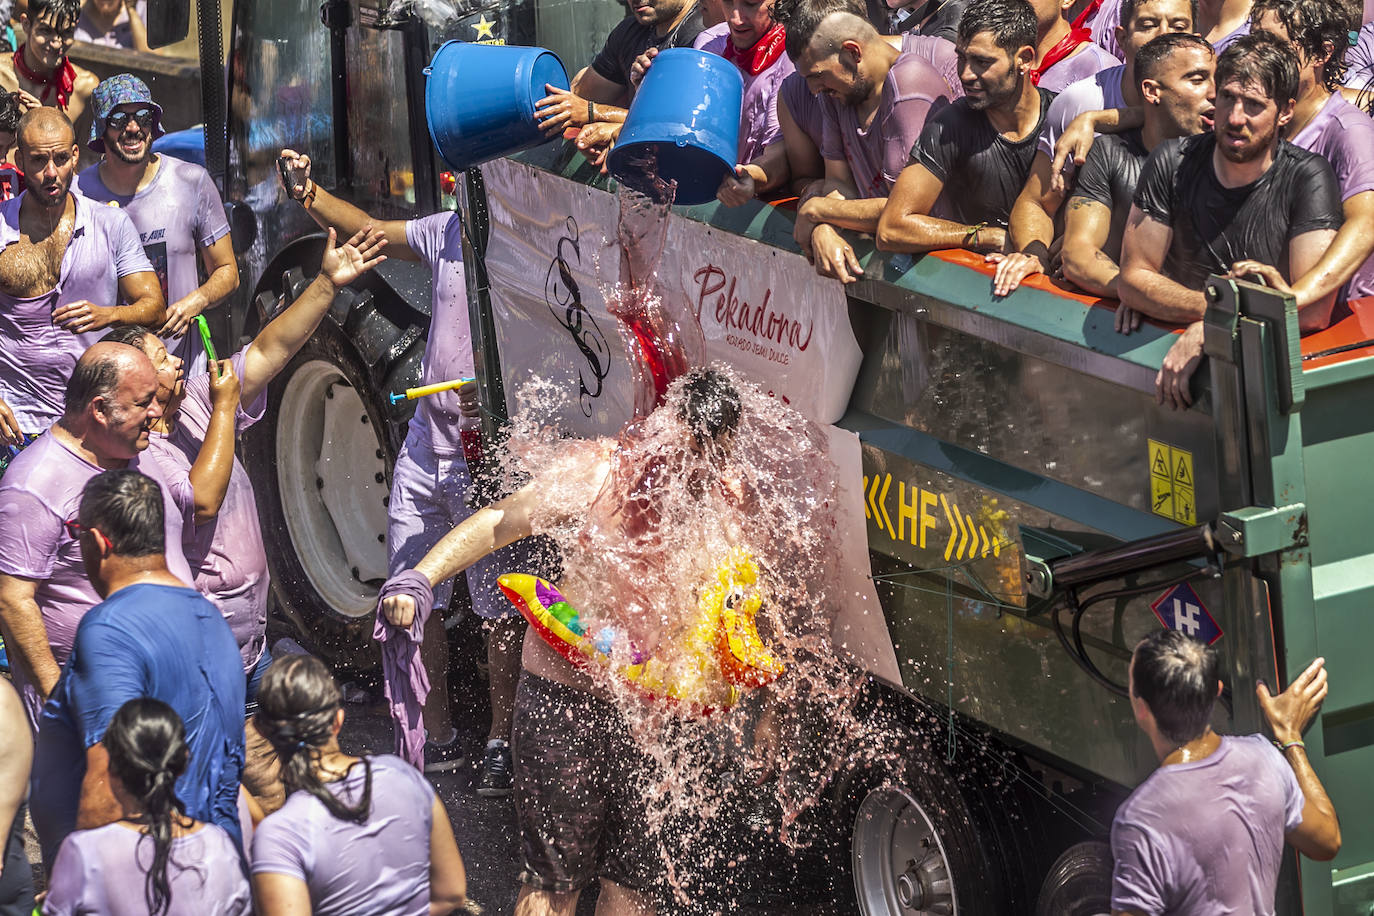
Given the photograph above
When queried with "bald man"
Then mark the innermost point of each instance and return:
(66, 264)
(111, 405)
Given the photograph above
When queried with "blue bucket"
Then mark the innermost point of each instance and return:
(685, 118)
(480, 99)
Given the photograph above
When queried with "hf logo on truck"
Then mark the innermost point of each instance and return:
(1181, 609)
(1172, 485)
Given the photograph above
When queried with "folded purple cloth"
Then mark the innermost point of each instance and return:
(407, 683)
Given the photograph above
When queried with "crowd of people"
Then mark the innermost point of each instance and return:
(170, 765)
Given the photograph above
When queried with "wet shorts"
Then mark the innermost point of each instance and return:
(577, 798)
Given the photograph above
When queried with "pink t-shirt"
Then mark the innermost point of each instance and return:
(877, 154)
(438, 240)
(225, 554)
(40, 491)
(1344, 136)
(941, 54)
(758, 117)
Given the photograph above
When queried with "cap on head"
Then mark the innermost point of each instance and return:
(120, 89)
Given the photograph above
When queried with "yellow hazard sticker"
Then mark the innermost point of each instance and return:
(1172, 483)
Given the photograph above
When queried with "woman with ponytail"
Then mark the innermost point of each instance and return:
(358, 836)
(154, 860)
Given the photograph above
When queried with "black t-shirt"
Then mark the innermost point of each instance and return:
(629, 39)
(982, 171)
(1215, 226)
(1109, 177)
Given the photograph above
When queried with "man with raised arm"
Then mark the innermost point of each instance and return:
(1205, 832)
(875, 101)
(972, 157)
(1208, 203)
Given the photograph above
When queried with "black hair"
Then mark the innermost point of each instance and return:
(127, 508)
(1128, 8)
(9, 113)
(1261, 58)
(296, 707)
(146, 741)
(132, 335)
(1176, 676)
(802, 18)
(63, 13)
(1011, 22)
(93, 378)
(1149, 59)
(710, 407)
(1310, 25)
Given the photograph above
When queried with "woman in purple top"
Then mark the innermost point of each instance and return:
(153, 860)
(356, 835)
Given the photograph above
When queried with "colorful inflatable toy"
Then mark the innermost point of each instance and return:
(705, 668)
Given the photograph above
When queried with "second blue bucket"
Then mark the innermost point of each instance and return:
(684, 119)
(480, 99)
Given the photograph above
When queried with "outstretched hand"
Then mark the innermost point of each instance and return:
(355, 257)
(1291, 712)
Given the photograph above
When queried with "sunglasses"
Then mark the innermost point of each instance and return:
(118, 119)
(75, 530)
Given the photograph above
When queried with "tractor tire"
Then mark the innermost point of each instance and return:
(321, 461)
(1079, 882)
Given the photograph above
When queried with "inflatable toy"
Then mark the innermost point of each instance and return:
(705, 667)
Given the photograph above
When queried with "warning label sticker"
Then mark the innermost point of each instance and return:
(1172, 483)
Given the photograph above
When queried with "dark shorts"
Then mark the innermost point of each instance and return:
(577, 791)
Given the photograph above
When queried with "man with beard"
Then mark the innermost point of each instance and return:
(980, 147)
(874, 101)
(1206, 204)
(65, 265)
(40, 70)
(174, 205)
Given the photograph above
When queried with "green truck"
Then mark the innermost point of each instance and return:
(1031, 511)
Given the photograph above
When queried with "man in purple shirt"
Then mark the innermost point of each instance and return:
(174, 205)
(431, 480)
(65, 266)
(44, 591)
(874, 101)
(1063, 54)
(1215, 793)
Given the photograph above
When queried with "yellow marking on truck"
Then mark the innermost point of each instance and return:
(1172, 483)
(1185, 510)
(1161, 496)
(968, 538)
(1159, 460)
(1183, 468)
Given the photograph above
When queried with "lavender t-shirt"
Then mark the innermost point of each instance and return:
(1090, 59)
(1360, 59)
(36, 356)
(119, 35)
(41, 489)
(877, 154)
(1097, 92)
(1344, 136)
(804, 107)
(105, 871)
(1207, 837)
(176, 215)
(380, 867)
(1104, 28)
(941, 54)
(226, 554)
(758, 117)
(438, 240)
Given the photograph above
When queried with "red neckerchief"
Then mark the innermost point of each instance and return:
(62, 80)
(762, 55)
(1067, 45)
(1087, 15)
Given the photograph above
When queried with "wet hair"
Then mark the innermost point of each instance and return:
(132, 335)
(127, 508)
(1128, 8)
(1150, 59)
(45, 118)
(1011, 22)
(146, 741)
(94, 377)
(1176, 676)
(710, 405)
(9, 113)
(62, 13)
(802, 19)
(1310, 25)
(1264, 60)
(296, 707)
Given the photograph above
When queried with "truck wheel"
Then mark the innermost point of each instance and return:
(321, 462)
(1079, 882)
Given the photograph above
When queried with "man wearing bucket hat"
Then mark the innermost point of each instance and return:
(40, 70)
(431, 480)
(174, 205)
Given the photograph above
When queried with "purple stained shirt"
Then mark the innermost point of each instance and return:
(105, 871)
(758, 117)
(379, 867)
(119, 35)
(1104, 28)
(1089, 60)
(176, 215)
(40, 491)
(36, 356)
(226, 554)
(804, 107)
(438, 240)
(877, 154)
(1097, 92)
(1207, 836)
(941, 54)
(1344, 136)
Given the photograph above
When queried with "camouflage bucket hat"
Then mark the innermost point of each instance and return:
(120, 89)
